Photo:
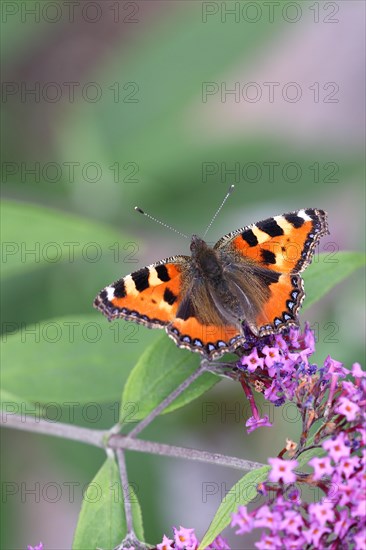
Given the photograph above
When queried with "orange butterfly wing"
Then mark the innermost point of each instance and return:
(153, 295)
(282, 246)
(149, 296)
(162, 295)
(209, 340)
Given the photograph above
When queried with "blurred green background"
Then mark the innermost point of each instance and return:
(106, 105)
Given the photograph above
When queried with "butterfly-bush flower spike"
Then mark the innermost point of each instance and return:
(309, 339)
(243, 520)
(185, 539)
(267, 518)
(292, 522)
(335, 367)
(282, 470)
(268, 542)
(314, 534)
(357, 371)
(337, 448)
(253, 423)
(252, 361)
(338, 520)
(322, 467)
(165, 544)
(348, 409)
(38, 547)
(218, 544)
(272, 356)
(321, 512)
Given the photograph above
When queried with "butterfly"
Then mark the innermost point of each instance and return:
(249, 279)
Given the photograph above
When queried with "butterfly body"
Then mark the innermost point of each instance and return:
(251, 277)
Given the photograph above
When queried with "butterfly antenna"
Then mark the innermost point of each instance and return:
(161, 223)
(231, 189)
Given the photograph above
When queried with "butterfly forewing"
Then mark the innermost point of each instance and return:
(150, 296)
(283, 243)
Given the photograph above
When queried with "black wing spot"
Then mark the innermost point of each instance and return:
(162, 272)
(249, 237)
(120, 289)
(270, 227)
(312, 214)
(141, 279)
(169, 296)
(268, 257)
(294, 220)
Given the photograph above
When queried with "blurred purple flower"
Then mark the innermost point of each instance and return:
(185, 539)
(282, 470)
(165, 544)
(253, 423)
(339, 519)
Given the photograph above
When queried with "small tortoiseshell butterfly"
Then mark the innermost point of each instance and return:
(250, 277)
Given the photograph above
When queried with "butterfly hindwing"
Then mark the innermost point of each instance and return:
(280, 310)
(200, 323)
(209, 340)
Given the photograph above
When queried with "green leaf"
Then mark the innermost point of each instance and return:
(239, 495)
(35, 236)
(304, 458)
(13, 404)
(327, 270)
(160, 370)
(102, 521)
(72, 359)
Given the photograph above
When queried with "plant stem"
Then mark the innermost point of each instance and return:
(99, 438)
(166, 402)
(124, 482)
(57, 429)
(126, 442)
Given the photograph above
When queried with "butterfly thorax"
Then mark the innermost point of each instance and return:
(206, 260)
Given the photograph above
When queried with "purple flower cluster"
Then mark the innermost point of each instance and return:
(185, 539)
(338, 520)
(38, 547)
(276, 365)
